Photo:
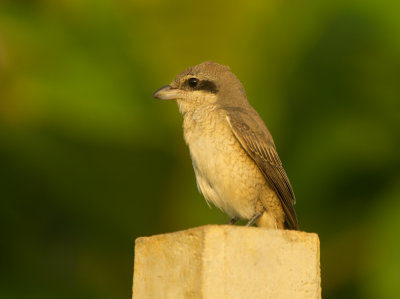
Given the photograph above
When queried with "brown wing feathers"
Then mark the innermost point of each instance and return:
(260, 147)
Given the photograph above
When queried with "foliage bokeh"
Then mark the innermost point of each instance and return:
(89, 161)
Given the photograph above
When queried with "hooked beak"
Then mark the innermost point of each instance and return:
(167, 93)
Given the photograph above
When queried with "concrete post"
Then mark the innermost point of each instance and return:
(224, 261)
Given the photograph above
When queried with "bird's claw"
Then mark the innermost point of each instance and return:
(233, 220)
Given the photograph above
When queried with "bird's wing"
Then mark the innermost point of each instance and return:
(258, 143)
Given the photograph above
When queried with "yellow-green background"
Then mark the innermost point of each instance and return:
(89, 161)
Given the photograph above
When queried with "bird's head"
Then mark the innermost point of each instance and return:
(208, 83)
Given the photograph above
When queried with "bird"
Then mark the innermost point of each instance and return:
(234, 157)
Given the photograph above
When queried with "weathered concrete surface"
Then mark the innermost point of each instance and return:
(221, 261)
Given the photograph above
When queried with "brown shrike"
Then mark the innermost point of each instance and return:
(234, 157)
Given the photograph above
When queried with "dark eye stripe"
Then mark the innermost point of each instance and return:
(196, 84)
(208, 86)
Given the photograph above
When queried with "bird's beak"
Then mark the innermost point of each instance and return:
(167, 93)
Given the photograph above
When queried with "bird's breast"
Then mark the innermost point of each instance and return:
(225, 174)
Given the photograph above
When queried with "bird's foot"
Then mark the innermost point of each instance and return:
(233, 220)
(254, 219)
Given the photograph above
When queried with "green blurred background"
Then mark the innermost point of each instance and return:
(89, 161)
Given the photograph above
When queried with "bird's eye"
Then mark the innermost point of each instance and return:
(193, 82)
